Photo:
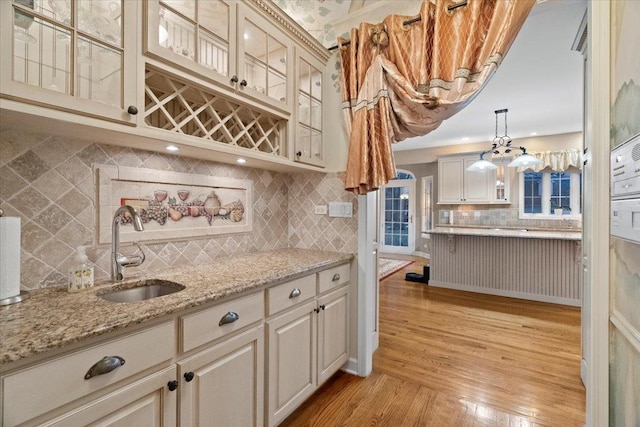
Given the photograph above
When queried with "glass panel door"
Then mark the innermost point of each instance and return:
(397, 204)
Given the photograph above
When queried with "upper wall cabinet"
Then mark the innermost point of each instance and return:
(225, 42)
(75, 56)
(457, 185)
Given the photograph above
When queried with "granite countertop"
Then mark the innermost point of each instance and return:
(53, 318)
(509, 232)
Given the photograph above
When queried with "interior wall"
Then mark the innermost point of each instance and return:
(48, 182)
(485, 215)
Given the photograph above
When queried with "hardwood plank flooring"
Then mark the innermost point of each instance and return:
(453, 358)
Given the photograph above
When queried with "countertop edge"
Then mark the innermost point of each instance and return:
(508, 233)
(130, 314)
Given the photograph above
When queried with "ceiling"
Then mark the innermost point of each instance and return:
(539, 81)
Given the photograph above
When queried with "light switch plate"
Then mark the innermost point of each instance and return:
(341, 209)
(320, 209)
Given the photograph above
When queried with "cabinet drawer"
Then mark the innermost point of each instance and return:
(334, 277)
(290, 293)
(207, 325)
(37, 390)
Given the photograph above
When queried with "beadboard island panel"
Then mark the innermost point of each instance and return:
(538, 269)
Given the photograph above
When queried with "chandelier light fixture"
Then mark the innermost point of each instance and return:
(501, 146)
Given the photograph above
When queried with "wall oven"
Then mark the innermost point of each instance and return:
(624, 284)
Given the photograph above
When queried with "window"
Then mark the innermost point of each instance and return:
(550, 194)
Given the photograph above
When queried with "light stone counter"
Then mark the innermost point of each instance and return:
(53, 318)
(508, 232)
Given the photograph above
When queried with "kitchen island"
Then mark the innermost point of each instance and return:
(539, 265)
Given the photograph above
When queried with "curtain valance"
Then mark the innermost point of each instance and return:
(401, 81)
(556, 161)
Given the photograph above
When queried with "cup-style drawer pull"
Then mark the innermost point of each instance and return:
(296, 292)
(230, 317)
(336, 277)
(104, 366)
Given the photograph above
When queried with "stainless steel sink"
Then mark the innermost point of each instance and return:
(140, 291)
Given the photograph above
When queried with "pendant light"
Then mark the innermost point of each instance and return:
(502, 146)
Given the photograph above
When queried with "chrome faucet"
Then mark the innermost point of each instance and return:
(118, 261)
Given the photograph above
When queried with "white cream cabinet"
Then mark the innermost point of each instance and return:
(220, 79)
(206, 366)
(457, 185)
(225, 42)
(72, 56)
(307, 344)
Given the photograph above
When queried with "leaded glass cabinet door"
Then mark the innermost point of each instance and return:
(397, 216)
(196, 35)
(309, 146)
(71, 55)
(264, 54)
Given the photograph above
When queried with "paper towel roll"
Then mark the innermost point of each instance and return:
(9, 257)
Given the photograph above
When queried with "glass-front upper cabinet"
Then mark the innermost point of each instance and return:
(71, 55)
(309, 147)
(223, 41)
(501, 191)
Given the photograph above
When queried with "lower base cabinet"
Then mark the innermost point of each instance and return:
(333, 331)
(307, 345)
(223, 385)
(144, 403)
(205, 368)
(292, 360)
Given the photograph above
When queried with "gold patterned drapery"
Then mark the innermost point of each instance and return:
(401, 81)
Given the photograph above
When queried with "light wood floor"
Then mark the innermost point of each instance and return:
(453, 358)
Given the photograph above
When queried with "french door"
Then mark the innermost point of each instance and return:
(397, 204)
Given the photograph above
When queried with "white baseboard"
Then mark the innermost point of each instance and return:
(503, 293)
(351, 367)
(422, 254)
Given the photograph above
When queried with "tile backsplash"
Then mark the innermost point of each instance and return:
(49, 183)
(483, 216)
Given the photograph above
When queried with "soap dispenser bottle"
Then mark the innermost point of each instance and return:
(81, 272)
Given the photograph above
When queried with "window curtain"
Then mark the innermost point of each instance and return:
(401, 81)
(556, 161)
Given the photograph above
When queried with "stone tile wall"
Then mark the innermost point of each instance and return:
(488, 216)
(48, 182)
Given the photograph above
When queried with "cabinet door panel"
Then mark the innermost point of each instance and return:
(477, 184)
(292, 360)
(227, 386)
(145, 403)
(450, 175)
(333, 332)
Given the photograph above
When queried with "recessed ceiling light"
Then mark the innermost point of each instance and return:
(172, 148)
(533, 133)
(246, 36)
(466, 138)
(241, 161)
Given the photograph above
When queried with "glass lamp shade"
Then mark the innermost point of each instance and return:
(524, 160)
(481, 165)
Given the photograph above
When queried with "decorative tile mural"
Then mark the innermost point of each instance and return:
(172, 205)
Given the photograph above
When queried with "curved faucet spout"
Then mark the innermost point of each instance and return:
(119, 261)
(137, 221)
